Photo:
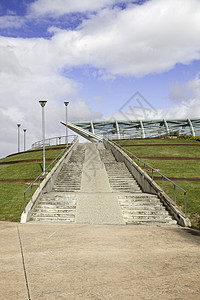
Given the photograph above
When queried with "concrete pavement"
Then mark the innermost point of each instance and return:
(71, 261)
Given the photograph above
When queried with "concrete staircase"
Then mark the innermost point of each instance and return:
(84, 192)
(60, 204)
(56, 207)
(137, 207)
(69, 178)
(144, 209)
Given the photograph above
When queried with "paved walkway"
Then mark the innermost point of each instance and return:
(96, 204)
(112, 262)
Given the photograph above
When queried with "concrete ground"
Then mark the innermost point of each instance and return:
(60, 261)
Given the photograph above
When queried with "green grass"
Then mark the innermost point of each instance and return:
(12, 194)
(12, 201)
(50, 154)
(174, 168)
(192, 198)
(158, 141)
(165, 151)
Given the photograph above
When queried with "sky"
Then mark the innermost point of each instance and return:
(98, 55)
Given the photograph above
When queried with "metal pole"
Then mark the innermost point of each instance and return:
(66, 104)
(24, 139)
(42, 103)
(18, 137)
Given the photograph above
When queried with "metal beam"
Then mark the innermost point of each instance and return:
(166, 126)
(117, 127)
(142, 127)
(191, 127)
(92, 127)
(84, 133)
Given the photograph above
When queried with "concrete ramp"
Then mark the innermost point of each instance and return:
(97, 204)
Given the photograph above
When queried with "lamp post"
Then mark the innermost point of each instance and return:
(66, 104)
(18, 125)
(24, 139)
(42, 103)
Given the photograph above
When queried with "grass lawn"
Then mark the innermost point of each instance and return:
(165, 151)
(12, 200)
(174, 168)
(158, 141)
(50, 154)
(12, 194)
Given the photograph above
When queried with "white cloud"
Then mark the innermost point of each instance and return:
(61, 7)
(26, 76)
(139, 40)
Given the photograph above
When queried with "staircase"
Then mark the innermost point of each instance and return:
(138, 208)
(69, 178)
(56, 207)
(67, 201)
(60, 204)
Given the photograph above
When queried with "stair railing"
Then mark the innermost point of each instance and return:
(45, 172)
(138, 160)
(55, 141)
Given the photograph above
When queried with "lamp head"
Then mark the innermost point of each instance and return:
(42, 102)
(66, 103)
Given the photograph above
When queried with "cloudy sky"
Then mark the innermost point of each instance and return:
(96, 54)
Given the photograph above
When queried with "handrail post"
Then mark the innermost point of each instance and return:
(162, 183)
(185, 204)
(24, 202)
(174, 194)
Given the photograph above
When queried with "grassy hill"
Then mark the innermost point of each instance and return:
(17, 171)
(178, 159)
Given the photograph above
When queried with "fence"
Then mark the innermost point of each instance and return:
(55, 141)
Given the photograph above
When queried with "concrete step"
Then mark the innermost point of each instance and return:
(53, 220)
(151, 222)
(144, 209)
(106, 156)
(55, 207)
(67, 214)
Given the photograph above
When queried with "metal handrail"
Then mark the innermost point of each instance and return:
(59, 140)
(45, 173)
(152, 169)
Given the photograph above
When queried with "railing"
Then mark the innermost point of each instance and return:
(59, 140)
(149, 133)
(45, 172)
(152, 175)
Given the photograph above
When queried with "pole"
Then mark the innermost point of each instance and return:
(24, 139)
(18, 137)
(42, 103)
(66, 104)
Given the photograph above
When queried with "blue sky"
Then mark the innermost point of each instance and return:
(96, 54)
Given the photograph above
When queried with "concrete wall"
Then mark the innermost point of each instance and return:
(47, 184)
(146, 183)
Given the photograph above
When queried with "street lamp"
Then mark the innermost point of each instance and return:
(18, 137)
(66, 104)
(42, 103)
(24, 139)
